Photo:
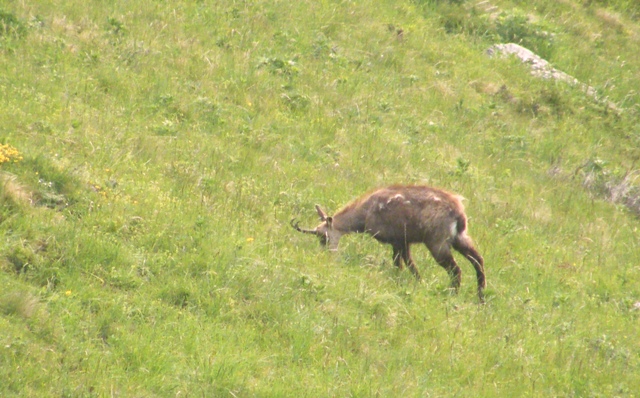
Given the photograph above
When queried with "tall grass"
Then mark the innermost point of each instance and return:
(159, 151)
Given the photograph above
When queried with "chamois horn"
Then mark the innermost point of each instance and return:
(295, 225)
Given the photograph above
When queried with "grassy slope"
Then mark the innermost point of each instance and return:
(146, 247)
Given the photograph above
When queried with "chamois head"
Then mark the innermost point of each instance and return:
(328, 235)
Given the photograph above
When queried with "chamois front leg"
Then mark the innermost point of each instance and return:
(406, 255)
(397, 257)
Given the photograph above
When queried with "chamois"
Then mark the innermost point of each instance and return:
(400, 215)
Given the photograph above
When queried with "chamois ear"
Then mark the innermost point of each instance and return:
(321, 213)
(328, 220)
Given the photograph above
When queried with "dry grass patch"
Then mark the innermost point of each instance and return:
(12, 191)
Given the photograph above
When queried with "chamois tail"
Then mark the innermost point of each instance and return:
(464, 244)
(461, 223)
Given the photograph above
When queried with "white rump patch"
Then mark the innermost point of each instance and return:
(453, 229)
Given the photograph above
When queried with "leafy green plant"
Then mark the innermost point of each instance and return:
(11, 26)
(18, 303)
(516, 27)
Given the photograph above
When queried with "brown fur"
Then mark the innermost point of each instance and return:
(401, 215)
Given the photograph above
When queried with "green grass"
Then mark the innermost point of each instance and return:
(165, 146)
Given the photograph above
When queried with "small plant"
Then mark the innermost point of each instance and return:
(208, 111)
(594, 174)
(279, 66)
(21, 258)
(166, 128)
(11, 26)
(53, 187)
(23, 304)
(462, 166)
(115, 26)
(516, 27)
(295, 101)
(177, 296)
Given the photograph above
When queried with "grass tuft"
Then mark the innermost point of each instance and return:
(18, 303)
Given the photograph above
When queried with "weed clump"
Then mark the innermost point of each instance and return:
(516, 27)
(23, 304)
(11, 26)
(21, 258)
(177, 296)
(599, 180)
(12, 193)
(55, 187)
(482, 21)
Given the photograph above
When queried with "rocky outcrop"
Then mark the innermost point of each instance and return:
(542, 68)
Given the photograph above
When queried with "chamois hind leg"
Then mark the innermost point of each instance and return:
(464, 245)
(442, 255)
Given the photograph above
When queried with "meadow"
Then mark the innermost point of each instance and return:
(152, 155)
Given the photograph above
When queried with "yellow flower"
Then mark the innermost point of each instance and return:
(68, 293)
(249, 240)
(9, 153)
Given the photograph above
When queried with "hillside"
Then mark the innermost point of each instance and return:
(152, 155)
